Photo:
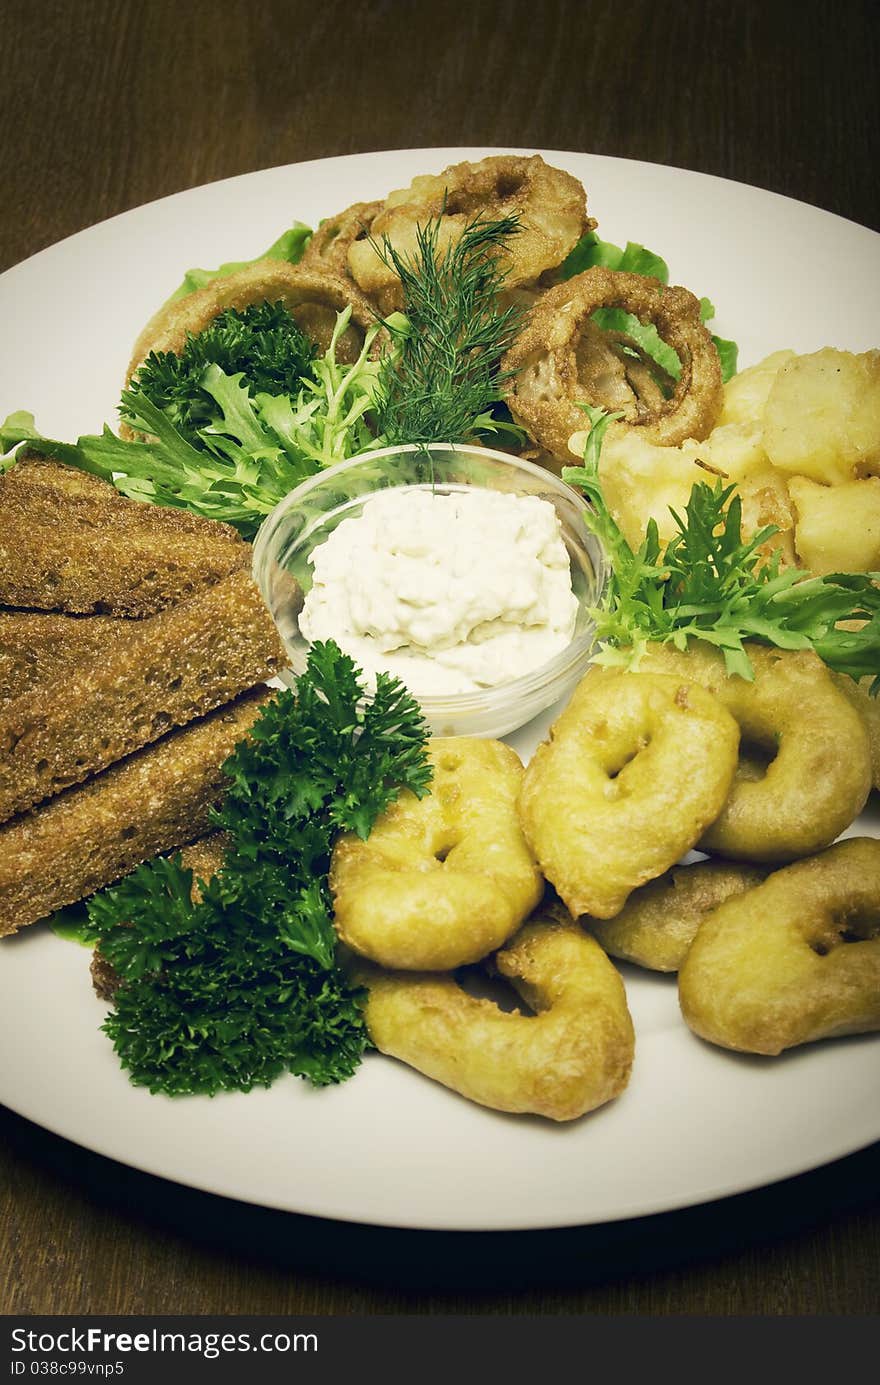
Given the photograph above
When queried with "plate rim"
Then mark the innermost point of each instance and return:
(724, 1189)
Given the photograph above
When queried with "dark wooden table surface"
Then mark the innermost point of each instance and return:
(105, 104)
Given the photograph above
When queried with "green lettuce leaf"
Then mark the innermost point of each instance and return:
(289, 246)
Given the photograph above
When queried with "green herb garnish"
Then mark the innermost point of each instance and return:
(72, 924)
(233, 991)
(288, 247)
(443, 381)
(249, 458)
(710, 583)
(262, 343)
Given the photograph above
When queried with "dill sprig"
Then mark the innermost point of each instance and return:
(711, 584)
(442, 378)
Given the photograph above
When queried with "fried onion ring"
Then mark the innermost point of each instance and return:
(562, 359)
(801, 731)
(574, 1054)
(659, 922)
(868, 707)
(442, 880)
(551, 205)
(329, 246)
(313, 297)
(636, 768)
(796, 959)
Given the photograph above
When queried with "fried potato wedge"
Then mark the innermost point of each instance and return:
(822, 416)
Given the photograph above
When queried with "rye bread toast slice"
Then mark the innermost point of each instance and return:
(36, 646)
(140, 680)
(154, 801)
(70, 542)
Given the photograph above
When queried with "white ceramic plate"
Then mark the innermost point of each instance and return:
(390, 1147)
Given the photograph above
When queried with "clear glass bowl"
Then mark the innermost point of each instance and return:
(306, 518)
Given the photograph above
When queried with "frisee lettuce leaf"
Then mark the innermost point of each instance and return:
(249, 459)
(711, 584)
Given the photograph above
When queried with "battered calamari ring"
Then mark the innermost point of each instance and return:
(444, 879)
(636, 768)
(659, 922)
(551, 205)
(562, 359)
(868, 707)
(329, 246)
(794, 960)
(574, 1054)
(805, 771)
(313, 297)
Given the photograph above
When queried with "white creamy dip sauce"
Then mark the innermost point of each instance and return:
(451, 593)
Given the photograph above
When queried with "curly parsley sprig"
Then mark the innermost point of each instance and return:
(711, 584)
(253, 453)
(262, 343)
(232, 991)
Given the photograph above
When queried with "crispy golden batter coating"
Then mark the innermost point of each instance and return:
(868, 708)
(796, 959)
(330, 244)
(574, 1054)
(71, 542)
(658, 923)
(152, 802)
(551, 205)
(562, 359)
(444, 879)
(152, 675)
(312, 295)
(636, 768)
(812, 741)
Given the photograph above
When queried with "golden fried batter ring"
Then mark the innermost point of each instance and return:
(572, 1055)
(329, 246)
(313, 297)
(659, 922)
(444, 879)
(551, 205)
(794, 960)
(868, 707)
(819, 771)
(562, 359)
(636, 768)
